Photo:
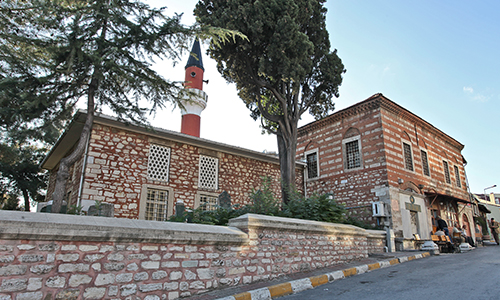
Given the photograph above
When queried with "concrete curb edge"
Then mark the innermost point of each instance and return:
(300, 285)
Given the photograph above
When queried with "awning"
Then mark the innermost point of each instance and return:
(483, 208)
(447, 197)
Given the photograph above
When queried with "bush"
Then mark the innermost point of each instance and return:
(317, 208)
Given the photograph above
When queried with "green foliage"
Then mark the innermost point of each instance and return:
(9, 201)
(74, 210)
(321, 208)
(317, 207)
(20, 174)
(283, 69)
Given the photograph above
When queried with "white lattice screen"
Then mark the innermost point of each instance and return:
(158, 162)
(209, 172)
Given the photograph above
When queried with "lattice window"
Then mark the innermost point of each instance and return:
(209, 172)
(208, 202)
(425, 163)
(158, 162)
(312, 165)
(408, 157)
(446, 172)
(353, 157)
(156, 205)
(457, 176)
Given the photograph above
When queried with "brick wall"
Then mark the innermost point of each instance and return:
(382, 126)
(73, 257)
(354, 188)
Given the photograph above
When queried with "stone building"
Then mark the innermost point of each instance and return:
(143, 172)
(388, 166)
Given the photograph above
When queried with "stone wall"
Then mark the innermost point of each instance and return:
(116, 171)
(45, 256)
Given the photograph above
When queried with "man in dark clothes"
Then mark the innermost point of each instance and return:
(441, 224)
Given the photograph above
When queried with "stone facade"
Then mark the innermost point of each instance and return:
(45, 256)
(392, 143)
(116, 169)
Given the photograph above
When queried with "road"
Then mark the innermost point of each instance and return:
(471, 275)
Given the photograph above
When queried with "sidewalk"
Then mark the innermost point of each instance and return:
(298, 282)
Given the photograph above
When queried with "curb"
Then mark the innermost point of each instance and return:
(300, 285)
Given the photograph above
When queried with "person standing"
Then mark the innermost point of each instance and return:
(442, 225)
(494, 229)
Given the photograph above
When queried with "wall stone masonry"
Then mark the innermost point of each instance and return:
(48, 256)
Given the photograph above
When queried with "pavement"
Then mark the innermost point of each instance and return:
(294, 283)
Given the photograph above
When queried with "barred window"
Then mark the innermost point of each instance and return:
(353, 157)
(156, 205)
(425, 163)
(209, 172)
(407, 156)
(208, 202)
(457, 176)
(312, 165)
(158, 162)
(446, 172)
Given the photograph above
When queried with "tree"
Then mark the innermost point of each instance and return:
(21, 175)
(284, 69)
(57, 52)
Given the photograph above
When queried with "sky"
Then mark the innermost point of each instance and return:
(438, 59)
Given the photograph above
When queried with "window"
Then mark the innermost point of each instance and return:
(312, 164)
(457, 176)
(352, 153)
(158, 162)
(208, 202)
(425, 163)
(408, 157)
(446, 172)
(209, 172)
(156, 205)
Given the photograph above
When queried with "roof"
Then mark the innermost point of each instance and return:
(377, 101)
(72, 134)
(195, 58)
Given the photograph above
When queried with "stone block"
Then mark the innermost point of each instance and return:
(30, 296)
(56, 282)
(104, 279)
(34, 284)
(79, 279)
(94, 293)
(13, 285)
(11, 270)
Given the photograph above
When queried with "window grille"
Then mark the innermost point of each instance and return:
(425, 163)
(208, 202)
(446, 172)
(457, 176)
(158, 162)
(312, 165)
(209, 172)
(407, 157)
(156, 205)
(353, 158)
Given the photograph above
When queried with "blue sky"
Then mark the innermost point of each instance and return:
(438, 59)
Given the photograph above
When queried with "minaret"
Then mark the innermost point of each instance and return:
(195, 99)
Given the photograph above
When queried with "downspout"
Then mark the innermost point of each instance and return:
(82, 176)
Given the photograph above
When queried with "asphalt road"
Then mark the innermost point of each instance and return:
(471, 275)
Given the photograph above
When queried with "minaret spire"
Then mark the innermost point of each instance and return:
(194, 100)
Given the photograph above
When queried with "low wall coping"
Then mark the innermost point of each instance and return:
(279, 223)
(62, 227)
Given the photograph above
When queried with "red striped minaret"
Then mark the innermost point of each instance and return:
(195, 100)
